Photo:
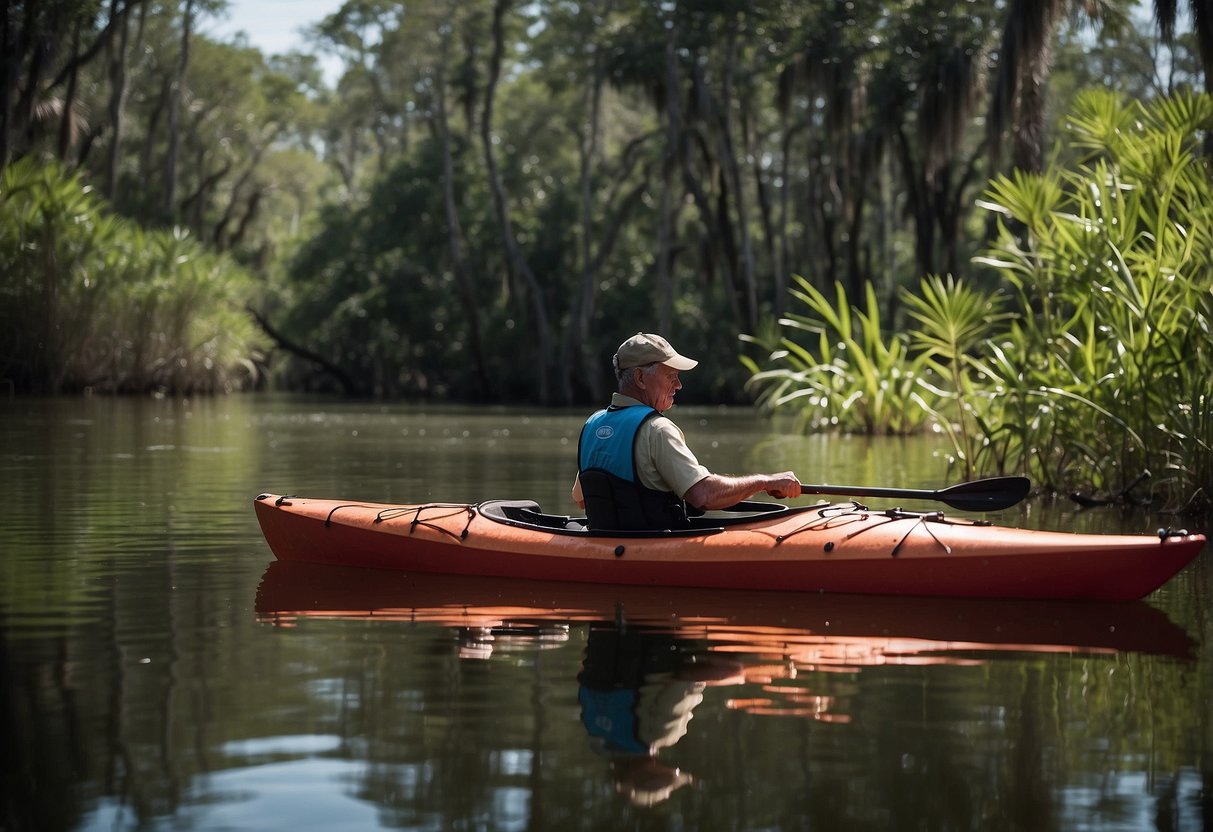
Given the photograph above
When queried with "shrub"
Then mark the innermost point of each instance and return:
(88, 300)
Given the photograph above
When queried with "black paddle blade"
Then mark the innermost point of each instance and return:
(986, 495)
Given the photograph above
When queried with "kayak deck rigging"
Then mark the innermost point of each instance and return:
(527, 514)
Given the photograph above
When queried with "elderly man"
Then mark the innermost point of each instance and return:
(635, 470)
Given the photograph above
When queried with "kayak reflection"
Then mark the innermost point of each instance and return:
(806, 631)
(652, 654)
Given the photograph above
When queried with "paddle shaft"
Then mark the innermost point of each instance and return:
(979, 495)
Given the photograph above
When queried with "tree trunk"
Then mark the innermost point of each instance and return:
(1028, 147)
(783, 260)
(919, 203)
(467, 293)
(855, 273)
(146, 164)
(219, 233)
(572, 352)
(514, 256)
(117, 104)
(174, 114)
(25, 39)
(1024, 60)
(952, 208)
(251, 209)
(349, 384)
(67, 118)
(9, 73)
(722, 238)
(27, 45)
(744, 266)
(193, 206)
(888, 252)
(765, 211)
(670, 161)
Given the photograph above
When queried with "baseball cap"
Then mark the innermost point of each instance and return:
(644, 348)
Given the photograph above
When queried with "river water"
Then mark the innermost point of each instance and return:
(160, 671)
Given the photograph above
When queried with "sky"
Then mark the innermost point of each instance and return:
(273, 26)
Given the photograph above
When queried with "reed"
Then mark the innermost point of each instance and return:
(954, 320)
(1089, 370)
(89, 301)
(1112, 263)
(860, 377)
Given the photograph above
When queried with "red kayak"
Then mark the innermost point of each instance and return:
(844, 547)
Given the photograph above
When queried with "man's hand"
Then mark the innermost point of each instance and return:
(784, 486)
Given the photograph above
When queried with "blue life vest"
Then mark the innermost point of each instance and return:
(608, 440)
(614, 497)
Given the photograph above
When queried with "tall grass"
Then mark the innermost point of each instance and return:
(1111, 258)
(859, 377)
(1096, 367)
(88, 300)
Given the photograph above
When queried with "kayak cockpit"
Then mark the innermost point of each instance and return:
(527, 514)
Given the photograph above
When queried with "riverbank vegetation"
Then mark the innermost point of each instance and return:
(90, 301)
(483, 198)
(1089, 364)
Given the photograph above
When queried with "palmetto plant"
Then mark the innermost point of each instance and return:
(89, 300)
(1095, 368)
(954, 322)
(852, 375)
(1113, 269)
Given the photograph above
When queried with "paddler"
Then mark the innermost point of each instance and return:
(635, 470)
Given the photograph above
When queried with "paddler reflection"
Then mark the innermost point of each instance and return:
(638, 689)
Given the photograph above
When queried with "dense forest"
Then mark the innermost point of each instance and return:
(486, 197)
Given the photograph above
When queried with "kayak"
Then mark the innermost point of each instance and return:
(820, 631)
(839, 547)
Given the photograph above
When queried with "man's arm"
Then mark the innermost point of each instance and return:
(716, 491)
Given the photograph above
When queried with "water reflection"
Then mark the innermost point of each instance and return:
(637, 689)
(808, 632)
(138, 688)
(652, 655)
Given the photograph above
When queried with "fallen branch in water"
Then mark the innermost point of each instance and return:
(1124, 497)
(351, 387)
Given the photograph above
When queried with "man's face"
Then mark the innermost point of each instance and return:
(658, 387)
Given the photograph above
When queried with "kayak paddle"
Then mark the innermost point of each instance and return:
(979, 495)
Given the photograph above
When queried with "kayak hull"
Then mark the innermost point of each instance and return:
(843, 548)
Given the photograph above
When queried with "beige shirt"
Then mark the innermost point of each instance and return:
(662, 459)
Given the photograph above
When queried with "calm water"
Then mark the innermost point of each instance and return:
(160, 672)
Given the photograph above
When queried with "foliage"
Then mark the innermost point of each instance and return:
(88, 300)
(588, 169)
(176, 129)
(859, 378)
(1113, 256)
(953, 320)
(1098, 372)
(373, 290)
(662, 165)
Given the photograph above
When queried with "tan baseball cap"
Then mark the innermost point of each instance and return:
(643, 348)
